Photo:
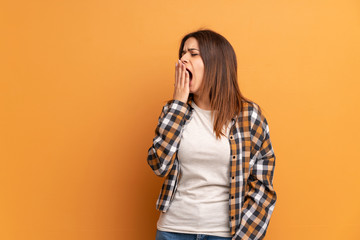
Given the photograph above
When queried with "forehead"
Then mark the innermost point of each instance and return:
(191, 43)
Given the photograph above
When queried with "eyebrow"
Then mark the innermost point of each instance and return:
(190, 49)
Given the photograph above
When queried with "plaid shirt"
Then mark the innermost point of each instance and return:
(251, 196)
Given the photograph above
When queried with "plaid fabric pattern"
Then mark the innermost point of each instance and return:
(252, 196)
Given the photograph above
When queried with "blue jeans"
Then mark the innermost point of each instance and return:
(161, 235)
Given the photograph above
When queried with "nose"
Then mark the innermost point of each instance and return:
(184, 59)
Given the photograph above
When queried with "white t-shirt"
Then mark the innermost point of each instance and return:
(201, 201)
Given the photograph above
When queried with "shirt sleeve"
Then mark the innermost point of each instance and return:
(162, 153)
(260, 196)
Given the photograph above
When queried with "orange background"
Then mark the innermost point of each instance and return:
(82, 84)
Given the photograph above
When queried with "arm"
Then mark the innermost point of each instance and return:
(162, 153)
(260, 196)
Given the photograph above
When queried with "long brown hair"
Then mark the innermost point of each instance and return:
(220, 80)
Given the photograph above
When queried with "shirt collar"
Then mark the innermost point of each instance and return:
(190, 100)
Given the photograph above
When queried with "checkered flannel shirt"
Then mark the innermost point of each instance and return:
(251, 194)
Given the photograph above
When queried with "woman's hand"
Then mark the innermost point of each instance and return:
(182, 79)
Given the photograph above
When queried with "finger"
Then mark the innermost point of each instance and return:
(180, 72)
(183, 76)
(176, 72)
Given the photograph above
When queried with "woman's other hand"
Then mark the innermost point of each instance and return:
(182, 79)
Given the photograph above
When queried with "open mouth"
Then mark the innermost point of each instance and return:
(190, 74)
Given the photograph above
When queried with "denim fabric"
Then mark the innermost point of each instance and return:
(161, 235)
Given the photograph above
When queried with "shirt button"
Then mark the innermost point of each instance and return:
(232, 218)
(233, 177)
(234, 157)
(232, 197)
(231, 137)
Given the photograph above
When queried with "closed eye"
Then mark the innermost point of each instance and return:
(192, 54)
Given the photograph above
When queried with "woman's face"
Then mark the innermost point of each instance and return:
(193, 63)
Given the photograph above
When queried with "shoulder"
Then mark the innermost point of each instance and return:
(253, 114)
(250, 108)
(172, 103)
(176, 107)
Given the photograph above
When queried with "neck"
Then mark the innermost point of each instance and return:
(201, 102)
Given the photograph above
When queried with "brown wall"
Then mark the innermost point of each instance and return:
(82, 84)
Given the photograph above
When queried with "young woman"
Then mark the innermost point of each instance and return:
(212, 147)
